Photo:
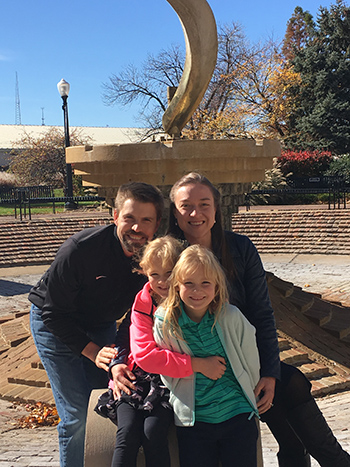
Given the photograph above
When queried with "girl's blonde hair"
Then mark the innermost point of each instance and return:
(166, 249)
(190, 260)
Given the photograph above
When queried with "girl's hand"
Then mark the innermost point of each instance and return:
(211, 367)
(105, 356)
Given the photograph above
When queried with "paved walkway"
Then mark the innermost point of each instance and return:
(39, 447)
(324, 274)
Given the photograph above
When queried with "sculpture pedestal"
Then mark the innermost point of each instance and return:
(233, 162)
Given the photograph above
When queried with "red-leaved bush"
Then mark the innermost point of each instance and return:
(304, 163)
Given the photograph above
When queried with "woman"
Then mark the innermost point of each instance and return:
(283, 392)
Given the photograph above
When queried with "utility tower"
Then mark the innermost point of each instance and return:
(18, 120)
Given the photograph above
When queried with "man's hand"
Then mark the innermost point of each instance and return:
(265, 391)
(211, 367)
(122, 378)
(105, 356)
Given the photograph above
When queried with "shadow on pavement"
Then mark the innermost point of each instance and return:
(12, 288)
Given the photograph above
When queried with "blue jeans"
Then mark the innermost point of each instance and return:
(72, 377)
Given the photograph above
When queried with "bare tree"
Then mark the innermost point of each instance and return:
(41, 160)
(237, 103)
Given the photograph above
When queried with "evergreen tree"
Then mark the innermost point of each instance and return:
(321, 117)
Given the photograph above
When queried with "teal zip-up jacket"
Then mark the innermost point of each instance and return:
(237, 336)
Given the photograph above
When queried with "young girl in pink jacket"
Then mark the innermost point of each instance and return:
(144, 416)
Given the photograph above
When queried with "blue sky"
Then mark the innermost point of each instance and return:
(84, 42)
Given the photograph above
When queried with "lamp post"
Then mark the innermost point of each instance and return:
(63, 88)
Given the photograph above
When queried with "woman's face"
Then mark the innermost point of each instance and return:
(195, 213)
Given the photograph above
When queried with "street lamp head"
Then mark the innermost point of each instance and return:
(63, 88)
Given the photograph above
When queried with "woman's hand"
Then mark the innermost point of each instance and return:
(122, 378)
(265, 392)
(105, 356)
(211, 367)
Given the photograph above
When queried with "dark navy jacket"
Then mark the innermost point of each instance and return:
(249, 292)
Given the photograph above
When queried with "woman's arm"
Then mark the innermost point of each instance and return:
(250, 293)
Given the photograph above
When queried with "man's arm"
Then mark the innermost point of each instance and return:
(119, 372)
(63, 287)
(122, 341)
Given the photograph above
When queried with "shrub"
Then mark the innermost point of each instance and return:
(7, 180)
(304, 163)
(274, 179)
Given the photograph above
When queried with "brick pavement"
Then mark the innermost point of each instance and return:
(39, 447)
(336, 410)
(318, 273)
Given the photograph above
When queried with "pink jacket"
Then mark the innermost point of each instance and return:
(143, 349)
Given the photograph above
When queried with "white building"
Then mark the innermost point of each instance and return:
(10, 134)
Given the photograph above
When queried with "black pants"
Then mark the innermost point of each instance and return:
(232, 442)
(142, 428)
(292, 390)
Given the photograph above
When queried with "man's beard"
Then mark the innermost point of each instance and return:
(132, 246)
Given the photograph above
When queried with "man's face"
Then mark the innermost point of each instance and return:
(136, 224)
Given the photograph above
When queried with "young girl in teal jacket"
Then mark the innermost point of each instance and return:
(215, 418)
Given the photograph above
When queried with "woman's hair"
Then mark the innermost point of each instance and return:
(217, 231)
(190, 261)
(166, 249)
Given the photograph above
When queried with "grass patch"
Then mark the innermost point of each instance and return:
(46, 208)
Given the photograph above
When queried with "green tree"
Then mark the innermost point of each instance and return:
(340, 167)
(321, 116)
(41, 160)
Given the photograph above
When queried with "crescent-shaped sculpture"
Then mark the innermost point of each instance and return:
(201, 39)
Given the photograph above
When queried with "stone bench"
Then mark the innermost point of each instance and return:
(100, 440)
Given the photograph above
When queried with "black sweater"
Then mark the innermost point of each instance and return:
(89, 283)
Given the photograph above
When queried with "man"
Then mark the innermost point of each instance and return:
(76, 303)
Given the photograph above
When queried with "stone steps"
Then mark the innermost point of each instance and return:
(283, 231)
(296, 231)
(22, 377)
(37, 241)
(324, 377)
(330, 316)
